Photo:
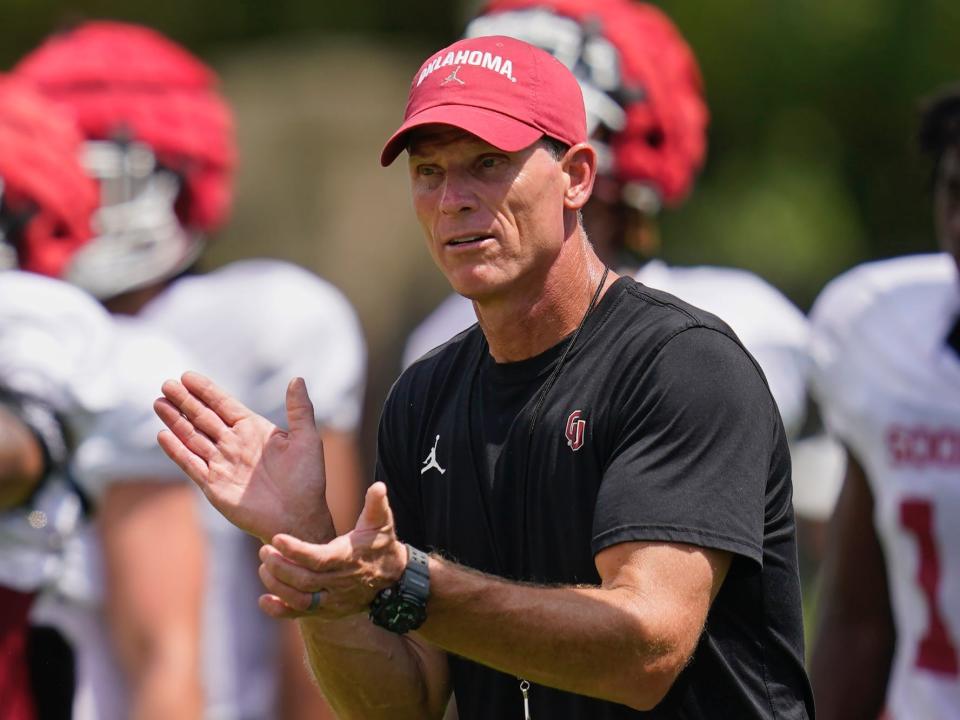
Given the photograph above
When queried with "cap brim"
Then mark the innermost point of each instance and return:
(501, 131)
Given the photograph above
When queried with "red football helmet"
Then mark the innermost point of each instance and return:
(46, 198)
(641, 85)
(161, 143)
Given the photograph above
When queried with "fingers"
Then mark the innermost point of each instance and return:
(229, 410)
(194, 441)
(338, 566)
(299, 600)
(199, 415)
(277, 608)
(376, 511)
(290, 573)
(325, 595)
(300, 415)
(195, 468)
(318, 558)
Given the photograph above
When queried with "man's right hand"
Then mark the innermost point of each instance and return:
(263, 479)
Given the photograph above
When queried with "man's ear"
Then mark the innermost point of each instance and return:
(580, 166)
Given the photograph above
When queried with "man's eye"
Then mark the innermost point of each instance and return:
(426, 170)
(489, 162)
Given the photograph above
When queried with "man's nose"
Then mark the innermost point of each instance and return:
(457, 195)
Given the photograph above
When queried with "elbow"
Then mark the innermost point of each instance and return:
(647, 688)
(21, 464)
(657, 657)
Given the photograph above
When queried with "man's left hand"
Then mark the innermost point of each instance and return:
(346, 573)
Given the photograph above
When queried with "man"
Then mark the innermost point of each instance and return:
(598, 468)
(886, 343)
(72, 398)
(647, 116)
(160, 143)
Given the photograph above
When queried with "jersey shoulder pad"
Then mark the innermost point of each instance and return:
(872, 328)
(55, 343)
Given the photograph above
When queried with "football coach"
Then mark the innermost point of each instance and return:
(582, 506)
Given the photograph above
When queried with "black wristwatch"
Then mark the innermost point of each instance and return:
(403, 607)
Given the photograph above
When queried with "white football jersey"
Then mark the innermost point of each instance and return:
(55, 345)
(254, 325)
(769, 325)
(889, 386)
(101, 375)
(59, 346)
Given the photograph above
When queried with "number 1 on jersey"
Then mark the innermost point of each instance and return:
(936, 651)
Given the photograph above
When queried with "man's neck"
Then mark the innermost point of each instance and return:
(531, 320)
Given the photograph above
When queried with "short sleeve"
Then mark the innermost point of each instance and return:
(692, 451)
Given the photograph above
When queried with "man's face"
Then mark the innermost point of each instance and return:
(946, 202)
(494, 220)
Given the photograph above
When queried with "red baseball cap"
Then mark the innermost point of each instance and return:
(505, 91)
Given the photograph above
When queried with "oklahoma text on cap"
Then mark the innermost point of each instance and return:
(505, 91)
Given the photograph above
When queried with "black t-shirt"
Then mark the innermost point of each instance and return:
(660, 427)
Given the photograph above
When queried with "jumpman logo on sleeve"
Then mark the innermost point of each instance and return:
(431, 460)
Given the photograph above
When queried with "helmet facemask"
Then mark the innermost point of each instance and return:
(138, 238)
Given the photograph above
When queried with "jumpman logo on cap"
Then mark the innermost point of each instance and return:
(431, 460)
(452, 77)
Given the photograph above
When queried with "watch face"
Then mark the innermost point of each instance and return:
(397, 613)
(406, 615)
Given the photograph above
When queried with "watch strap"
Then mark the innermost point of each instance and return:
(415, 580)
(403, 606)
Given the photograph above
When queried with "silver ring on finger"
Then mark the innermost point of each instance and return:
(315, 598)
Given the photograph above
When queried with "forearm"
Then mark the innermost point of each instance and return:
(300, 697)
(855, 639)
(850, 667)
(163, 684)
(154, 557)
(367, 673)
(625, 641)
(602, 642)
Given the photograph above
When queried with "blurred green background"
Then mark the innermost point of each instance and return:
(811, 166)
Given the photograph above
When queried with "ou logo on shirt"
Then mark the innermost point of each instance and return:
(575, 431)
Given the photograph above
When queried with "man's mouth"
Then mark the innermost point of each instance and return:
(468, 240)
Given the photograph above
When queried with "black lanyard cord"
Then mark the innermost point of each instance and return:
(542, 394)
(566, 351)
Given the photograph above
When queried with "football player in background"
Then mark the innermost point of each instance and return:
(648, 120)
(81, 492)
(886, 343)
(160, 143)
